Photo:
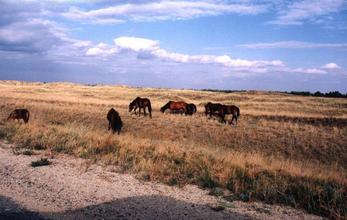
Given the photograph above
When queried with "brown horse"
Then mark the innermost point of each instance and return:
(213, 109)
(175, 107)
(232, 110)
(141, 103)
(221, 110)
(191, 109)
(19, 114)
(114, 121)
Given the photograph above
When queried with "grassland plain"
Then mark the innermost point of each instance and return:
(286, 149)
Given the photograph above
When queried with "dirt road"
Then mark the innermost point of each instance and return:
(69, 189)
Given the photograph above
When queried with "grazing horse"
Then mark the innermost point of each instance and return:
(221, 110)
(191, 109)
(213, 108)
(19, 114)
(232, 110)
(114, 121)
(175, 107)
(141, 103)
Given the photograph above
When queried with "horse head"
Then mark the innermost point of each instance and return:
(166, 106)
(162, 109)
(131, 106)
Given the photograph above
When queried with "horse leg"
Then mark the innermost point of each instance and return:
(222, 115)
(150, 112)
(144, 111)
(232, 119)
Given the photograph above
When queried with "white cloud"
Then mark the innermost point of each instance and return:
(292, 45)
(28, 35)
(43, 38)
(106, 21)
(101, 49)
(163, 10)
(150, 49)
(136, 44)
(310, 70)
(331, 66)
(297, 12)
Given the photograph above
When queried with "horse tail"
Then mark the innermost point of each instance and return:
(238, 111)
(10, 116)
(207, 108)
(150, 109)
(27, 118)
(185, 108)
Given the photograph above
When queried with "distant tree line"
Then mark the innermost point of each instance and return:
(221, 90)
(334, 94)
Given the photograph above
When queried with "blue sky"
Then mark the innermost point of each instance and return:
(221, 44)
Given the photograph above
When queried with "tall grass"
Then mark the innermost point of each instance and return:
(276, 154)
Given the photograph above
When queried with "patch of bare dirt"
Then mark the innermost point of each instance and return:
(69, 189)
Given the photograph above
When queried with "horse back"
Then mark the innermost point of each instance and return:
(178, 105)
(146, 102)
(232, 109)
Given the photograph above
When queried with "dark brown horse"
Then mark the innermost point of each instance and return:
(191, 109)
(141, 103)
(114, 121)
(221, 110)
(175, 107)
(231, 110)
(19, 114)
(213, 108)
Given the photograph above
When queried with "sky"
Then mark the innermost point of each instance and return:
(280, 45)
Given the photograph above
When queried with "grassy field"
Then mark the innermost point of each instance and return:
(286, 149)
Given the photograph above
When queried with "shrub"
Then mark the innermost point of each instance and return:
(40, 162)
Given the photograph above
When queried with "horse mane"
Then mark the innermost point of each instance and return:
(134, 101)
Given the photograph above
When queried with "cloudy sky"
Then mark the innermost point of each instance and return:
(220, 44)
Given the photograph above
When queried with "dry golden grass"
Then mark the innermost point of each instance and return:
(280, 140)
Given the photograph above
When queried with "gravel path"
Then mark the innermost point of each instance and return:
(69, 189)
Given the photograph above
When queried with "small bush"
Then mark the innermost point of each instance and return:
(216, 191)
(205, 180)
(38, 147)
(27, 152)
(41, 162)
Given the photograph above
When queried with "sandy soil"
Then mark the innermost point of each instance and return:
(69, 188)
